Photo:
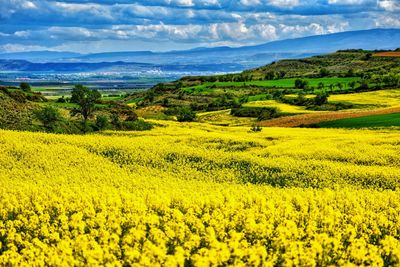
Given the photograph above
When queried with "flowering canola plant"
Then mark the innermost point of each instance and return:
(200, 195)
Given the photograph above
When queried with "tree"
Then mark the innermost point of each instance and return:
(102, 123)
(185, 114)
(323, 72)
(25, 87)
(86, 100)
(300, 84)
(350, 73)
(321, 99)
(352, 85)
(270, 75)
(49, 116)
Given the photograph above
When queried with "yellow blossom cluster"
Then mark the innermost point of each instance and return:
(198, 195)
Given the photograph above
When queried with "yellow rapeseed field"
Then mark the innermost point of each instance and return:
(200, 195)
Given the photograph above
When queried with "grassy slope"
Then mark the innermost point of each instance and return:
(384, 120)
(336, 63)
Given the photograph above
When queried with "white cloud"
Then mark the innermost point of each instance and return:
(250, 2)
(389, 5)
(346, 2)
(284, 3)
(10, 48)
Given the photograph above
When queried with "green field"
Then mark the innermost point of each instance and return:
(282, 83)
(384, 120)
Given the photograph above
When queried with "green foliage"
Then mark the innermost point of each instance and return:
(384, 120)
(300, 84)
(102, 123)
(323, 72)
(62, 100)
(256, 128)
(86, 100)
(185, 114)
(263, 113)
(49, 116)
(24, 86)
(138, 125)
(321, 99)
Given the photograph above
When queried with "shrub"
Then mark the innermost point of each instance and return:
(300, 84)
(321, 99)
(185, 114)
(256, 128)
(138, 125)
(264, 113)
(25, 87)
(61, 100)
(48, 116)
(102, 123)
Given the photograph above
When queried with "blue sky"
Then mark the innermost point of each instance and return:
(95, 26)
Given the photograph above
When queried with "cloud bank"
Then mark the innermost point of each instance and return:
(93, 25)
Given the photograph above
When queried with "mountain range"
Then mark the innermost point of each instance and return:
(215, 59)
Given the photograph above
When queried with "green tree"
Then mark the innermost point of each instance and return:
(270, 75)
(102, 123)
(352, 84)
(86, 100)
(185, 114)
(49, 116)
(323, 72)
(321, 99)
(300, 84)
(25, 87)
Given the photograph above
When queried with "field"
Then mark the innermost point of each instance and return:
(200, 195)
(280, 83)
(381, 98)
(285, 108)
(387, 54)
(385, 120)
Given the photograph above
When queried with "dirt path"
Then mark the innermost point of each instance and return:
(314, 118)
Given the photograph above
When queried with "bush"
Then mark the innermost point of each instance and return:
(264, 113)
(102, 123)
(138, 125)
(300, 84)
(61, 100)
(25, 87)
(321, 99)
(185, 114)
(48, 116)
(256, 128)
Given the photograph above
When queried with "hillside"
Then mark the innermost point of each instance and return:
(337, 64)
(282, 89)
(16, 108)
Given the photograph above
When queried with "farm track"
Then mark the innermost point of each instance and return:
(387, 54)
(315, 118)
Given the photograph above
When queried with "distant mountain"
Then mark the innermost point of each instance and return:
(118, 66)
(220, 58)
(248, 55)
(42, 56)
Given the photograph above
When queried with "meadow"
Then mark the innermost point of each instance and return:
(193, 194)
(384, 120)
(209, 87)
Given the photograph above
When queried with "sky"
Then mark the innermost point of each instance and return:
(96, 26)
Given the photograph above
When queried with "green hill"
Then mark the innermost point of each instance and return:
(342, 72)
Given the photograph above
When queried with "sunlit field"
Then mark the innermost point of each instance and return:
(285, 108)
(198, 195)
(381, 98)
